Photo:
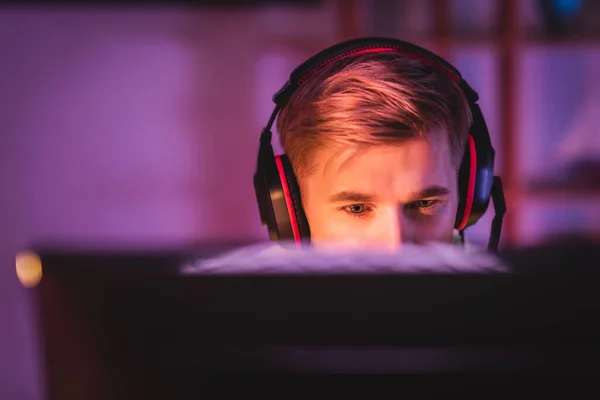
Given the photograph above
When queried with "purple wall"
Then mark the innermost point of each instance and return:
(134, 127)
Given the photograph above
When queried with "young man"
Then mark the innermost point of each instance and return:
(385, 144)
(376, 142)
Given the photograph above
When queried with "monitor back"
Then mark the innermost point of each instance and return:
(131, 325)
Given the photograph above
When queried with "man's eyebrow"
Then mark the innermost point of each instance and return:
(348, 195)
(358, 197)
(432, 191)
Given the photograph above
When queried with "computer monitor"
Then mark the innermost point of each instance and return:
(159, 325)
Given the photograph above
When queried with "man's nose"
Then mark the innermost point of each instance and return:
(391, 235)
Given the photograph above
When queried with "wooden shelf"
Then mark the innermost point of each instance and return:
(567, 42)
(562, 191)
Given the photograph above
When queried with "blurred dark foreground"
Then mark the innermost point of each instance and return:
(131, 325)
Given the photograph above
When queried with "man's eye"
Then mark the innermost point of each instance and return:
(421, 204)
(356, 208)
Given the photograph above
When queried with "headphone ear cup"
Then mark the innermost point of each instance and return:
(294, 190)
(275, 202)
(476, 174)
(465, 188)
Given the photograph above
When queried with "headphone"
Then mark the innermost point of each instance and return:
(276, 187)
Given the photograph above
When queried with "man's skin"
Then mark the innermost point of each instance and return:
(382, 196)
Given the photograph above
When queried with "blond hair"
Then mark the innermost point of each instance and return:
(372, 100)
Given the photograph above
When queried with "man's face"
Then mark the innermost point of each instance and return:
(382, 196)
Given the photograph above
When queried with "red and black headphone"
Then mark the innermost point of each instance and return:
(278, 193)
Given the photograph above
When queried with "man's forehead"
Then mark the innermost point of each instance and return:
(411, 156)
(392, 169)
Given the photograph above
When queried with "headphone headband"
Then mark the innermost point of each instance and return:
(356, 47)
